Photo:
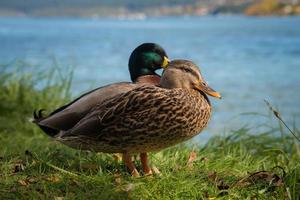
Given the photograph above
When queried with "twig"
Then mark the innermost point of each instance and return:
(277, 115)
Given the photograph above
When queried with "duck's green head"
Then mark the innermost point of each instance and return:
(145, 59)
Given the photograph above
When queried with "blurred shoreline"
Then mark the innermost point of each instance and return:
(142, 11)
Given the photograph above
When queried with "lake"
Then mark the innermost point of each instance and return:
(247, 59)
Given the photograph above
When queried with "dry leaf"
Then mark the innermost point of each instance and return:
(155, 170)
(32, 180)
(129, 187)
(58, 198)
(18, 168)
(192, 158)
(18, 165)
(263, 176)
(23, 182)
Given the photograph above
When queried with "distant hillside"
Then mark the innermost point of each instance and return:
(30, 5)
(100, 8)
(82, 7)
(273, 7)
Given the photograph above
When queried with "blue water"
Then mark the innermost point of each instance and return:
(247, 59)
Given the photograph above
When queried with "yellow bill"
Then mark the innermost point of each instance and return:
(165, 62)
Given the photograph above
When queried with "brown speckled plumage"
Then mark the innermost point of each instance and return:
(147, 118)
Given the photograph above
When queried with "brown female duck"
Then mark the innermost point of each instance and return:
(147, 118)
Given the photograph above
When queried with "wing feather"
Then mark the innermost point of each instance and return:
(67, 116)
(115, 110)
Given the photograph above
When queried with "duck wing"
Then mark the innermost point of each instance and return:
(124, 113)
(67, 116)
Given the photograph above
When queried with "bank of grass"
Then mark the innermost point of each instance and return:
(244, 164)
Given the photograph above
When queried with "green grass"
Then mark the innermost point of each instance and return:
(32, 166)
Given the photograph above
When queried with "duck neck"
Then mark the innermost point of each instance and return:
(136, 72)
(148, 79)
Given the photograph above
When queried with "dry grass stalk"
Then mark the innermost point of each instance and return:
(278, 116)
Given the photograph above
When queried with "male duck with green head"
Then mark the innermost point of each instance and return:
(143, 63)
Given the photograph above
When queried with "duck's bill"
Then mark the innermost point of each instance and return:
(208, 90)
(165, 62)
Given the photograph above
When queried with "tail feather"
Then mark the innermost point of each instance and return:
(37, 117)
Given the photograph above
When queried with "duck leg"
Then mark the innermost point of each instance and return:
(129, 164)
(144, 160)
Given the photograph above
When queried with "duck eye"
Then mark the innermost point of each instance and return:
(203, 83)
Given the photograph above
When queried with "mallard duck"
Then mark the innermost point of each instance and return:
(147, 118)
(143, 62)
